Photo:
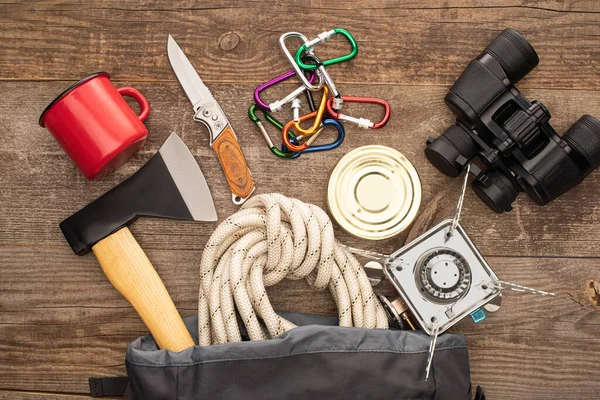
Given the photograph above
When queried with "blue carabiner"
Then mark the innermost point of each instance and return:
(323, 147)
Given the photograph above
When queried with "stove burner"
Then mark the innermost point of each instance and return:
(443, 275)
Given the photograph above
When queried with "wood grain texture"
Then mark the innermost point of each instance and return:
(56, 308)
(412, 43)
(234, 164)
(45, 187)
(22, 395)
(507, 354)
(128, 269)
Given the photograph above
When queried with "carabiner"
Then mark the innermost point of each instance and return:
(361, 122)
(277, 105)
(337, 102)
(263, 131)
(300, 147)
(317, 114)
(322, 38)
(304, 147)
(324, 147)
(290, 58)
(284, 152)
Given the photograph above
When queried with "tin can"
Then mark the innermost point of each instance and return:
(374, 192)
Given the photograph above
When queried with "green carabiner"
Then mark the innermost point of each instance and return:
(322, 38)
(274, 149)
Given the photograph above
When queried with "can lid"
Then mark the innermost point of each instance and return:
(374, 192)
(67, 91)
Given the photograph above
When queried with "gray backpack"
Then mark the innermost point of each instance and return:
(316, 360)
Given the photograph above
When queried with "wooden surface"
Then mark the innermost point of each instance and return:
(61, 321)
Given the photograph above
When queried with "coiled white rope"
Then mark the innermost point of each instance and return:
(274, 237)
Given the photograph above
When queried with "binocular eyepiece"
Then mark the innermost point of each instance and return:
(511, 135)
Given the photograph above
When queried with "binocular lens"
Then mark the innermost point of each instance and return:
(498, 192)
(584, 137)
(514, 53)
(443, 151)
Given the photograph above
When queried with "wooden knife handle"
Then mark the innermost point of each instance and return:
(234, 164)
(129, 270)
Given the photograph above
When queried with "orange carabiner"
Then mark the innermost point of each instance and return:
(318, 117)
(286, 137)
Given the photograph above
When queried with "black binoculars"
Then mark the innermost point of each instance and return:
(511, 135)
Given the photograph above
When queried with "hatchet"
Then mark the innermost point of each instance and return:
(170, 185)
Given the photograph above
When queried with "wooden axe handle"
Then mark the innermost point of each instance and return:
(130, 271)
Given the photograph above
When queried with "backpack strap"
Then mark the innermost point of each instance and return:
(111, 386)
(479, 393)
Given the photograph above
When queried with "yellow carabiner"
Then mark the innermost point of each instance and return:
(318, 118)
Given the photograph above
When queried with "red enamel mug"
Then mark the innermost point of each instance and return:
(95, 126)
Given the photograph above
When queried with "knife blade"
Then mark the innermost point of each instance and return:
(207, 111)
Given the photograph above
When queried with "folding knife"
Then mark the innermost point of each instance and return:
(222, 138)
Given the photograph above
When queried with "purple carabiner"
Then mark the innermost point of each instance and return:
(277, 105)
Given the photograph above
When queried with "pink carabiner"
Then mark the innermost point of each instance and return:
(360, 122)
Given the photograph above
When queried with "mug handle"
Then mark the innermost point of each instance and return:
(144, 106)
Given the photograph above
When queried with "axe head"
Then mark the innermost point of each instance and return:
(170, 185)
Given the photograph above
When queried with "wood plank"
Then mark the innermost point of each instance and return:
(412, 43)
(42, 187)
(56, 308)
(56, 312)
(18, 395)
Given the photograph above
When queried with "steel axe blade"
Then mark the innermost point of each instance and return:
(170, 185)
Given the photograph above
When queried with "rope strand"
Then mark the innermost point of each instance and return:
(274, 237)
